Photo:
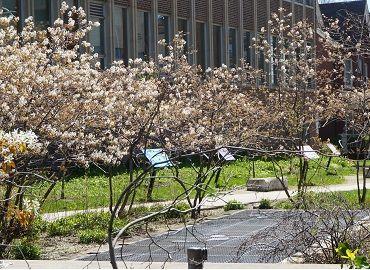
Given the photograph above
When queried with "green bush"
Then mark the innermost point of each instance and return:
(233, 205)
(92, 236)
(74, 225)
(61, 227)
(173, 213)
(25, 249)
(265, 204)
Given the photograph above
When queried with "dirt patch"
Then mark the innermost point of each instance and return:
(63, 248)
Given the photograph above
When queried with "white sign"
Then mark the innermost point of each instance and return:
(157, 157)
(225, 154)
(309, 153)
(333, 149)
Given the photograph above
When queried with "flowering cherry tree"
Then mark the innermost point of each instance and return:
(347, 43)
(47, 87)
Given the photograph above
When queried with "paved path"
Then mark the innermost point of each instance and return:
(242, 196)
(232, 238)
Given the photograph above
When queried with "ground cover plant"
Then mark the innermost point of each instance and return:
(350, 198)
(91, 191)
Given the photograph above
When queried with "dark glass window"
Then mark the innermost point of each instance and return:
(232, 47)
(71, 3)
(120, 34)
(42, 13)
(201, 46)
(163, 33)
(97, 36)
(247, 48)
(10, 7)
(217, 45)
(143, 34)
(183, 27)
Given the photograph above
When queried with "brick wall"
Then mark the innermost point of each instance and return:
(165, 6)
(287, 8)
(234, 13)
(298, 13)
(218, 13)
(274, 6)
(248, 14)
(144, 5)
(310, 15)
(262, 16)
(184, 8)
(201, 7)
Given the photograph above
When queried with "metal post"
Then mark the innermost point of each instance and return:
(253, 169)
(328, 165)
(196, 257)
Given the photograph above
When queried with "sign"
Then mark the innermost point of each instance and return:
(333, 149)
(225, 154)
(158, 158)
(309, 153)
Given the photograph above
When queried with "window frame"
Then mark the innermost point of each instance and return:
(220, 28)
(146, 37)
(234, 52)
(124, 31)
(167, 34)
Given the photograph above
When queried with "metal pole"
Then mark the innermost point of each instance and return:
(328, 165)
(196, 257)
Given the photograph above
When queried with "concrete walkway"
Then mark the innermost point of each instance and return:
(243, 196)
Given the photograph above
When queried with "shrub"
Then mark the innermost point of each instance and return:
(233, 205)
(88, 221)
(25, 249)
(61, 227)
(173, 213)
(92, 236)
(265, 204)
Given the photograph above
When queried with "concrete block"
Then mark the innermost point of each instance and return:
(265, 184)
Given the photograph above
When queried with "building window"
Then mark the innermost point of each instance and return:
(183, 27)
(163, 33)
(217, 45)
(120, 34)
(42, 13)
(348, 82)
(72, 3)
(366, 72)
(97, 34)
(247, 48)
(143, 35)
(360, 63)
(232, 47)
(10, 7)
(201, 46)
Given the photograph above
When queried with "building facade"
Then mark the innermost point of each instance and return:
(220, 31)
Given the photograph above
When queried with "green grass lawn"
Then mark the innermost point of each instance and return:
(349, 198)
(92, 190)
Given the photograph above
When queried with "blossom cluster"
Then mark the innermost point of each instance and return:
(13, 144)
(51, 85)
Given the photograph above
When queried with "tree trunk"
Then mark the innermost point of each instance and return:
(149, 195)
